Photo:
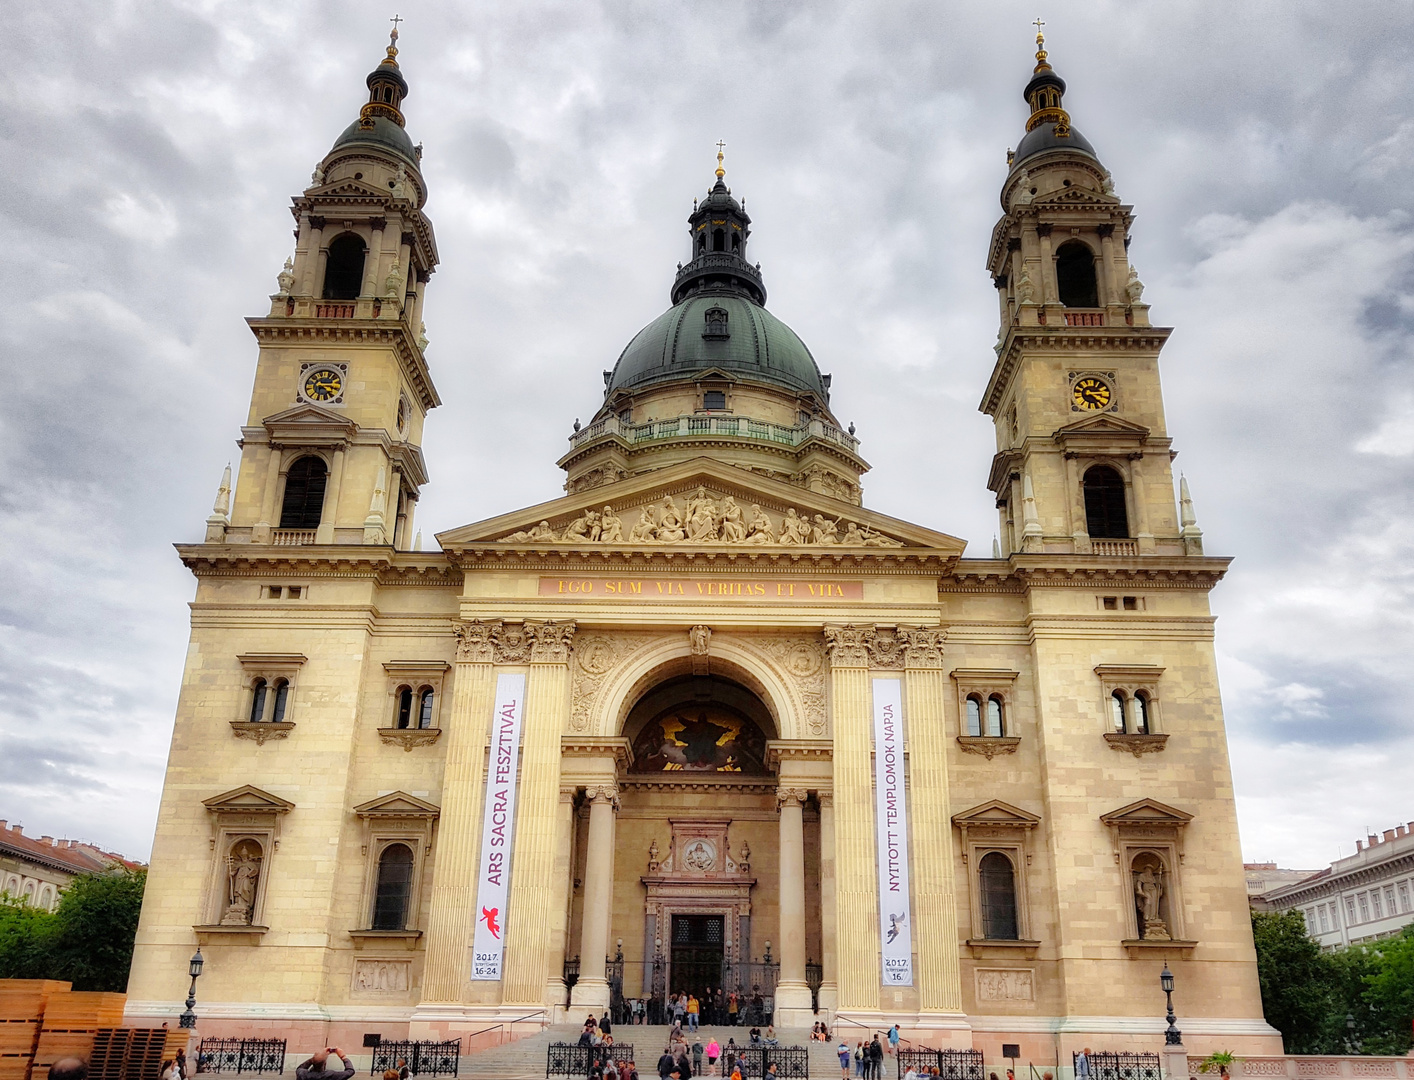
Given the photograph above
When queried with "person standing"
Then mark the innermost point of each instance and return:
(697, 1056)
(694, 1007)
(1082, 1065)
(876, 1058)
(714, 1051)
(733, 1006)
(893, 1039)
(860, 1064)
(843, 1052)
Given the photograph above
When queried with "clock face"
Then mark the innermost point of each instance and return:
(1091, 393)
(323, 384)
(402, 416)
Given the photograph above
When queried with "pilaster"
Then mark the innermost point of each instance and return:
(793, 1006)
(856, 881)
(592, 988)
(533, 861)
(829, 995)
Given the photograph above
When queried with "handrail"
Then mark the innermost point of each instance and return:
(538, 1012)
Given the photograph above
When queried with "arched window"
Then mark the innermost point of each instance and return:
(998, 888)
(719, 240)
(424, 708)
(390, 902)
(404, 707)
(1105, 515)
(282, 700)
(257, 701)
(46, 898)
(29, 892)
(1140, 714)
(1117, 711)
(304, 494)
(974, 715)
(736, 243)
(701, 243)
(994, 717)
(343, 270)
(1075, 275)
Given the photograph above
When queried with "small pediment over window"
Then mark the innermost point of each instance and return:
(248, 800)
(397, 804)
(1146, 813)
(1106, 424)
(996, 813)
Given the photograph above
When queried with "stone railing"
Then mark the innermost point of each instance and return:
(1317, 1068)
(1084, 318)
(714, 424)
(1114, 547)
(292, 537)
(334, 311)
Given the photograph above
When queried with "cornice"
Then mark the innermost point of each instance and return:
(1020, 572)
(1021, 340)
(720, 559)
(395, 334)
(1340, 881)
(613, 441)
(388, 566)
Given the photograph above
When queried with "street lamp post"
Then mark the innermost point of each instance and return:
(1172, 1036)
(188, 1018)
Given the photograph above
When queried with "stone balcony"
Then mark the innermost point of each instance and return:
(715, 425)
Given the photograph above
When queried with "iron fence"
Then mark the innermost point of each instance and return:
(791, 1061)
(424, 1058)
(570, 1059)
(951, 1064)
(1122, 1066)
(241, 1056)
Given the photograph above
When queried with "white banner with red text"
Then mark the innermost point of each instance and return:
(498, 829)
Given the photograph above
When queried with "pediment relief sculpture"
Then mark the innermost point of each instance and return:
(704, 518)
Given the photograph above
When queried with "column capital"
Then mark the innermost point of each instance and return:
(567, 794)
(826, 798)
(550, 641)
(475, 641)
(923, 647)
(885, 646)
(845, 644)
(785, 795)
(603, 793)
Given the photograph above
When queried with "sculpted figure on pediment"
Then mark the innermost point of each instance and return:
(670, 527)
(793, 529)
(646, 531)
(702, 520)
(585, 528)
(733, 529)
(761, 530)
(610, 527)
(878, 540)
(824, 531)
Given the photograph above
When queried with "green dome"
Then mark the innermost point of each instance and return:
(385, 135)
(751, 343)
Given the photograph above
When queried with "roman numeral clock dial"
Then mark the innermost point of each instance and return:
(324, 384)
(1091, 394)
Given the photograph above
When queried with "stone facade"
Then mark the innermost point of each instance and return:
(702, 623)
(36, 869)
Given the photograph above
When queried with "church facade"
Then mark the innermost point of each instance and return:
(704, 721)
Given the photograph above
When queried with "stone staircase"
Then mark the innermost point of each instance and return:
(524, 1059)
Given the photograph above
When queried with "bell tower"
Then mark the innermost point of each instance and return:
(330, 452)
(1083, 453)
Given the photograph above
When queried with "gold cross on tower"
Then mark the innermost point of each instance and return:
(721, 172)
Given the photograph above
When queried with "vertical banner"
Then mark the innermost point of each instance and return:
(891, 821)
(498, 829)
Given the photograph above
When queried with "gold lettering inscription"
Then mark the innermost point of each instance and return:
(701, 590)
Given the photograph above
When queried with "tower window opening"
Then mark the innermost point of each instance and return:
(404, 719)
(974, 715)
(390, 901)
(736, 243)
(1117, 711)
(424, 708)
(701, 243)
(303, 506)
(1140, 714)
(343, 272)
(1075, 275)
(714, 399)
(997, 881)
(1105, 514)
(282, 700)
(719, 240)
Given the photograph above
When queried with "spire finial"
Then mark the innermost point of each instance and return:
(393, 37)
(1040, 45)
(721, 172)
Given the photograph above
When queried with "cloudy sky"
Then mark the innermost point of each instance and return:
(149, 150)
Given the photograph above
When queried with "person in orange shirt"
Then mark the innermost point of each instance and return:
(693, 1008)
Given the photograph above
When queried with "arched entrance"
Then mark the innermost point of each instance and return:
(695, 904)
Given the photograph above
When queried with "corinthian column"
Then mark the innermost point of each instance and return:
(592, 989)
(532, 898)
(829, 944)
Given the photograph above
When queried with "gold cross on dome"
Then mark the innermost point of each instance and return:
(721, 172)
(1038, 24)
(395, 20)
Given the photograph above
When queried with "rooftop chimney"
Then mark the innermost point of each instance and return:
(47, 840)
(1372, 839)
(4, 824)
(1359, 845)
(1389, 834)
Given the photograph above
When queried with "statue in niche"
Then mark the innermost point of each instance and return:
(611, 529)
(1149, 892)
(242, 879)
(698, 637)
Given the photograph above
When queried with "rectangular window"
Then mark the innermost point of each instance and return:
(1111, 603)
(1131, 603)
(293, 592)
(1349, 911)
(714, 399)
(1310, 914)
(1364, 907)
(1325, 922)
(1389, 900)
(1404, 896)
(1375, 903)
(274, 592)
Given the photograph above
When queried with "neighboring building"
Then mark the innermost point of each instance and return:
(1263, 877)
(36, 870)
(1368, 895)
(711, 660)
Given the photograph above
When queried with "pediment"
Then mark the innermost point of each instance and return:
(308, 414)
(1106, 424)
(397, 804)
(1146, 812)
(996, 812)
(248, 800)
(715, 374)
(1072, 197)
(659, 510)
(344, 189)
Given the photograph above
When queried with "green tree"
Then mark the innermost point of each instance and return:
(1297, 982)
(26, 933)
(1388, 994)
(95, 926)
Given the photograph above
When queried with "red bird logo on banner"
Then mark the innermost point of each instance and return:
(488, 916)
